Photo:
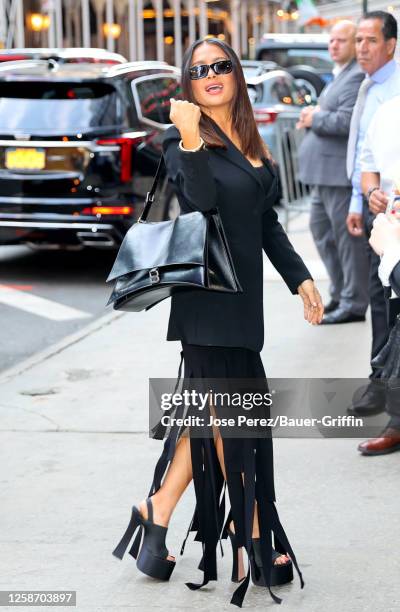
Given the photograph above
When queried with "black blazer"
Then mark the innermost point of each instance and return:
(395, 279)
(225, 179)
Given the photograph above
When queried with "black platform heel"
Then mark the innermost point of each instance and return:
(280, 574)
(152, 558)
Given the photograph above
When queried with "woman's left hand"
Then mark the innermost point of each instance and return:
(313, 306)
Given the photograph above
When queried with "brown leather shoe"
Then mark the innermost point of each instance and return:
(387, 442)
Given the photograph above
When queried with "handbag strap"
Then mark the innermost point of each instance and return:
(150, 194)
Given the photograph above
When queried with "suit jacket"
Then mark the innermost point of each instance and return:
(225, 179)
(322, 152)
(394, 302)
(395, 279)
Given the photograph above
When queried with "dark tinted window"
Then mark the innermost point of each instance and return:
(154, 94)
(57, 107)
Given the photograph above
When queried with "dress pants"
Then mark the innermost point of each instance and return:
(378, 302)
(393, 407)
(344, 256)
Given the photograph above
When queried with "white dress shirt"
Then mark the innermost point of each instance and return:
(338, 68)
(380, 151)
(386, 86)
(381, 147)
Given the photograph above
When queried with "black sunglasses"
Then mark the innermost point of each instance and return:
(201, 71)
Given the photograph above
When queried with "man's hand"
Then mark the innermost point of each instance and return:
(305, 120)
(385, 233)
(378, 201)
(313, 306)
(354, 224)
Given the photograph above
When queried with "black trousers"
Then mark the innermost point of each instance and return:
(378, 302)
(383, 313)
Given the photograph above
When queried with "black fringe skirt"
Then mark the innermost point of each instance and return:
(248, 466)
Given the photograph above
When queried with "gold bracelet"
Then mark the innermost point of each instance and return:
(201, 146)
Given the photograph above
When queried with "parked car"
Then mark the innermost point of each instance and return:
(79, 145)
(272, 94)
(70, 55)
(305, 56)
(255, 68)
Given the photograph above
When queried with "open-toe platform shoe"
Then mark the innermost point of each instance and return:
(152, 557)
(280, 573)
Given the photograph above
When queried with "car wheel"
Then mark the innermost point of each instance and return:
(312, 81)
(309, 87)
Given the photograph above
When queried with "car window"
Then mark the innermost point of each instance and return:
(250, 71)
(153, 94)
(284, 90)
(57, 107)
(317, 58)
(255, 93)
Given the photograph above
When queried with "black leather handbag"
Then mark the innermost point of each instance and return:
(158, 259)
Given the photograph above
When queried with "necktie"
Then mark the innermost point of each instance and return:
(355, 124)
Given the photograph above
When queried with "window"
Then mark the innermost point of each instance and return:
(255, 93)
(284, 90)
(152, 96)
(54, 107)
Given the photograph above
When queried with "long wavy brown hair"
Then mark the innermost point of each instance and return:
(242, 116)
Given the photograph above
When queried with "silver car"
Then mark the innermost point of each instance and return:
(271, 94)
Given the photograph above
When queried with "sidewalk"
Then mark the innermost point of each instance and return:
(75, 455)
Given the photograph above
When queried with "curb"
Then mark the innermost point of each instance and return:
(60, 346)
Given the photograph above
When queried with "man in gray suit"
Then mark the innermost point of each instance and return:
(322, 164)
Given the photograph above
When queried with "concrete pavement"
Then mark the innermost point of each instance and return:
(75, 455)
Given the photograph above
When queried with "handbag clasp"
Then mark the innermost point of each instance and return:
(154, 275)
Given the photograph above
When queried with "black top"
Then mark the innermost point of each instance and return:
(244, 196)
(265, 176)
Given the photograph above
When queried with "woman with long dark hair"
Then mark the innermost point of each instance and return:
(215, 158)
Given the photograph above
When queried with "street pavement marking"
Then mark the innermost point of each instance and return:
(38, 305)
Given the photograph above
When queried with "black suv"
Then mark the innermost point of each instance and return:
(79, 145)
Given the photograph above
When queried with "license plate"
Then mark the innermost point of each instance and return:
(25, 159)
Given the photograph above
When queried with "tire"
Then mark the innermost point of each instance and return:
(308, 78)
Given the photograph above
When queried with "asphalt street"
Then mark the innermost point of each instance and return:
(46, 295)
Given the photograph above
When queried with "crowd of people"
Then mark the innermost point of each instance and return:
(348, 156)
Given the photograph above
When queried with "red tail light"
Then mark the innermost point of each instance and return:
(125, 145)
(13, 58)
(107, 210)
(265, 115)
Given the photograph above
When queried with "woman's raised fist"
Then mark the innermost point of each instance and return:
(185, 116)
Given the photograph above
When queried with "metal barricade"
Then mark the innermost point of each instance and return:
(295, 196)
